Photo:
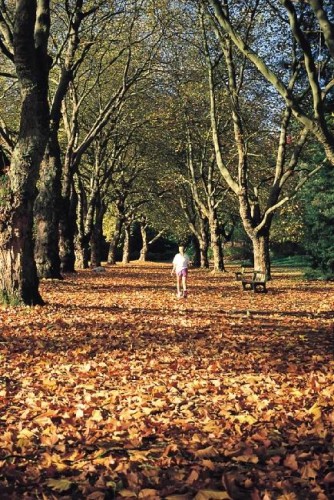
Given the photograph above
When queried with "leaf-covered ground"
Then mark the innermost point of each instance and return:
(117, 389)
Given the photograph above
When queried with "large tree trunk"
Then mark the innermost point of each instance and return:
(68, 232)
(126, 245)
(47, 213)
(145, 243)
(204, 244)
(260, 244)
(114, 241)
(218, 263)
(196, 260)
(19, 280)
(204, 247)
(81, 259)
(97, 236)
(93, 207)
(95, 245)
(144, 247)
(260, 237)
(201, 241)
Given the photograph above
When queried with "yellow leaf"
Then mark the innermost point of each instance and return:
(253, 459)
(25, 433)
(315, 410)
(50, 383)
(127, 494)
(58, 463)
(212, 495)
(210, 451)
(245, 419)
(138, 456)
(49, 440)
(43, 420)
(211, 427)
(59, 484)
(148, 493)
(96, 416)
(25, 438)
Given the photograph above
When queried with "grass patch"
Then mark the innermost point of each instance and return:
(292, 261)
(9, 300)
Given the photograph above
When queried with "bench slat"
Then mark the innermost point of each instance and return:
(257, 282)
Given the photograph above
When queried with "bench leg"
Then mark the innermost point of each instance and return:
(246, 286)
(259, 287)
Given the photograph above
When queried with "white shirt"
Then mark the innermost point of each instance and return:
(180, 262)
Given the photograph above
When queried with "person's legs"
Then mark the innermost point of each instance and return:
(184, 282)
(178, 284)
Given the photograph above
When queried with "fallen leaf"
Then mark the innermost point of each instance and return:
(291, 462)
(59, 484)
(212, 495)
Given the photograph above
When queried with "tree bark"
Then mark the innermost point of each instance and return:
(203, 244)
(19, 280)
(114, 241)
(218, 262)
(126, 245)
(145, 243)
(97, 235)
(261, 253)
(144, 248)
(46, 212)
(68, 231)
(88, 231)
(196, 260)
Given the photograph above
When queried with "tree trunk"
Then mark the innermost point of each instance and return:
(46, 213)
(204, 247)
(204, 244)
(200, 235)
(97, 236)
(196, 261)
(19, 280)
(261, 253)
(82, 251)
(93, 207)
(68, 231)
(144, 248)
(95, 245)
(126, 245)
(114, 241)
(81, 259)
(218, 263)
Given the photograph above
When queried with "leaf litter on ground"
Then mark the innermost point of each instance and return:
(117, 389)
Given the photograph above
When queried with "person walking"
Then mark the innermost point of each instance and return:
(180, 268)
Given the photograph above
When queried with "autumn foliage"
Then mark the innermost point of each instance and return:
(117, 389)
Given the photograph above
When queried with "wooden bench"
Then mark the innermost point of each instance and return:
(245, 272)
(256, 282)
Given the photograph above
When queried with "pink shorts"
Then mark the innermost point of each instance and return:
(183, 273)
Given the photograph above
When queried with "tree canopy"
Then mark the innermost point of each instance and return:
(195, 117)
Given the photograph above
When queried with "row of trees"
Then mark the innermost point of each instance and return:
(184, 116)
